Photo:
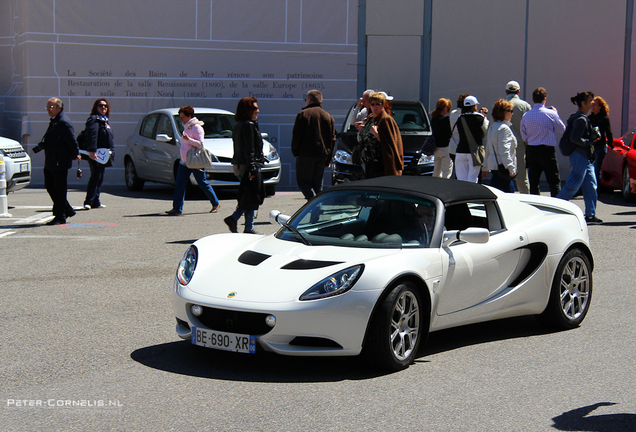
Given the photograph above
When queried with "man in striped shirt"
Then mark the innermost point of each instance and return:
(539, 127)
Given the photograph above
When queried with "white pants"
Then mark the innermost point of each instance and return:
(464, 168)
(443, 163)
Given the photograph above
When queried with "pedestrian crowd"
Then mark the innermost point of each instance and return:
(520, 143)
(512, 151)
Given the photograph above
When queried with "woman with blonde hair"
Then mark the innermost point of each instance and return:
(380, 145)
(600, 118)
(440, 124)
(501, 147)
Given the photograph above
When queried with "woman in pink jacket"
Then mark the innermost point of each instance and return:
(192, 137)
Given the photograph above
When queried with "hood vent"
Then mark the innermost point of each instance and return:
(302, 264)
(252, 258)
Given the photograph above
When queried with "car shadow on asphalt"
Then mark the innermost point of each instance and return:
(615, 198)
(475, 334)
(183, 358)
(186, 359)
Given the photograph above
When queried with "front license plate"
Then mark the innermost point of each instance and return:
(24, 167)
(224, 341)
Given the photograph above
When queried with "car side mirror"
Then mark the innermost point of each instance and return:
(469, 235)
(165, 138)
(275, 216)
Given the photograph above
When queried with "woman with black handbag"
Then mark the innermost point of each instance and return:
(192, 137)
(247, 162)
(97, 135)
(501, 147)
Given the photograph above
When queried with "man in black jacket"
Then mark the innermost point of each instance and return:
(313, 139)
(60, 150)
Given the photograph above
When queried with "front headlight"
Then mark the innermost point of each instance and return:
(425, 159)
(272, 154)
(343, 157)
(335, 284)
(187, 265)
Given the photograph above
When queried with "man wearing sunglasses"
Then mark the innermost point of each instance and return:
(60, 150)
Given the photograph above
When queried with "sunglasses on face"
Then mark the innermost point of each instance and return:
(376, 104)
(102, 106)
(509, 110)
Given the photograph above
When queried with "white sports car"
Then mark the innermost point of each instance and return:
(373, 266)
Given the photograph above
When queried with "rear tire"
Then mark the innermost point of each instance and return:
(398, 327)
(133, 183)
(627, 188)
(571, 292)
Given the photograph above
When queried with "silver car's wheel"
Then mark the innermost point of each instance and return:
(405, 325)
(571, 291)
(627, 188)
(133, 183)
(398, 328)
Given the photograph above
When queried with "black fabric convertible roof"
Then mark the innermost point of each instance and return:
(447, 190)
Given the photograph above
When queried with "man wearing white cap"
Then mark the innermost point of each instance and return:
(520, 107)
(472, 126)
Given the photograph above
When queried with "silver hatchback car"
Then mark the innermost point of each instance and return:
(152, 152)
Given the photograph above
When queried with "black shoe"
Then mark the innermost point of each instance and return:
(57, 221)
(173, 212)
(593, 220)
(251, 232)
(231, 224)
(69, 213)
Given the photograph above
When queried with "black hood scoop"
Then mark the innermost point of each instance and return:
(303, 264)
(252, 258)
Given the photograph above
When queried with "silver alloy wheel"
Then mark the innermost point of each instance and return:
(575, 288)
(405, 324)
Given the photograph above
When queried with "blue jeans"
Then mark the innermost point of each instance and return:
(581, 175)
(249, 218)
(249, 215)
(183, 176)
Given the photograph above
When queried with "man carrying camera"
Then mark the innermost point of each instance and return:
(60, 150)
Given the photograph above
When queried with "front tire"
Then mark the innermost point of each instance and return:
(398, 328)
(133, 183)
(571, 292)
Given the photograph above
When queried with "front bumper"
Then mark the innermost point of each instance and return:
(221, 174)
(328, 327)
(18, 172)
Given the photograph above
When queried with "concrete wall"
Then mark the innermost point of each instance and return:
(477, 46)
(413, 49)
(127, 51)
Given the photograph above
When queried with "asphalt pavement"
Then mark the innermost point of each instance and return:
(88, 339)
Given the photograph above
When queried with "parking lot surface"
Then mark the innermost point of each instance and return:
(88, 340)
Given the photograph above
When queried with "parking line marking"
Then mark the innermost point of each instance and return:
(6, 233)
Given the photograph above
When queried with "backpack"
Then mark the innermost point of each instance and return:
(565, 145)
(81, 141)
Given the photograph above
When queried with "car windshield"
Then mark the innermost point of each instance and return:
(363, 219)
(410, 118)
(215, 125)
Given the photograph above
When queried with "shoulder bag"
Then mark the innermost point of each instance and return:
(198, 158)
(477, 151)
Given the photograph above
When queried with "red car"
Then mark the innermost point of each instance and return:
(619, 166)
